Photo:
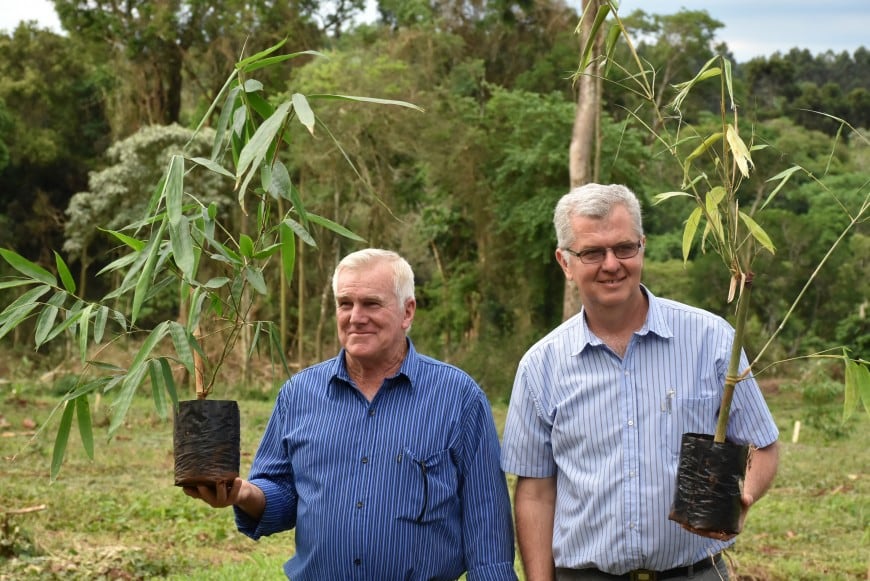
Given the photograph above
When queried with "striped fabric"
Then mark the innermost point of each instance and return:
(609, 429)
(407, 486)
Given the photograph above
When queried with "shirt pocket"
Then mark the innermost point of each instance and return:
(689, 416)
(428, 487)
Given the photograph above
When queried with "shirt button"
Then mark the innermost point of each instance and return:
(630, 422)
(357, 562)
(371, 412)
(365, 459)
(359, 504)
(631, 474)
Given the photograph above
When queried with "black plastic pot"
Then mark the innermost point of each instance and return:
(709, 485)
(206, 442)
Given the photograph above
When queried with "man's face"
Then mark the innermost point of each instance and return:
(371, 322)
(613, 281)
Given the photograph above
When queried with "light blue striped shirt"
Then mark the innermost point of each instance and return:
(406, 487)
(609, 429)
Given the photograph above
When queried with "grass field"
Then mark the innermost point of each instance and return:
(120, 517)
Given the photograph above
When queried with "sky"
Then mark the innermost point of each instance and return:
(751, 27)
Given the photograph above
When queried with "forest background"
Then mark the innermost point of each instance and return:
(465, 190)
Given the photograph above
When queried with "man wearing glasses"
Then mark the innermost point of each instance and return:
(599, 406)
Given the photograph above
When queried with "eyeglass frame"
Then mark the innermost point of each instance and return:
(583, 255)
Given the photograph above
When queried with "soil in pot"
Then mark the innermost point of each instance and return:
(709, 486)
(206, 442)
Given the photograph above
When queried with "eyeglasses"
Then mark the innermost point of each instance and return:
(597, 255)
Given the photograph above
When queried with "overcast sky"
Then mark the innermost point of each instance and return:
(751, 27)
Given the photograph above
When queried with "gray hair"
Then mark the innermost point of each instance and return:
(403, 275)
(593, 201)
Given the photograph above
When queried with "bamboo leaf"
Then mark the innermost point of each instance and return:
(288, 251)
(100, 324)
(65, 275)
(157, 387)
(47, 317)
(84, 331)
(281, 184)
(246, 246)
(133, 243)
(303, 111)
(337, 228)
(857, 388)
(783, 178)
(181, 341)
(689, 232)
(714, 216)
(86, 432)
(659, 198)
(20, 309)
(739, 151)
(182, 247)
(135, 374)
(368, 100)
(27, 268)
(300, 231)
(61, 439)
(173, 189)
(255, 277)
(268, 62)
(169, 382)
(144, 282)
(255, 150)
(757, 232)
(15, 282)
(213, 166)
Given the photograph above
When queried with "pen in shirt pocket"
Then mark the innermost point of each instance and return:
(668, 404)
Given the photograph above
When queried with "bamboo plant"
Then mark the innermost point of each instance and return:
(715, 167)
(182, 243)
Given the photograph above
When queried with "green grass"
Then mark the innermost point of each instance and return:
(120, 517)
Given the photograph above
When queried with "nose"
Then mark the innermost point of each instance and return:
(610, 261)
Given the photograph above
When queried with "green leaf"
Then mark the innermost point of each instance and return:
(20, 309)
(135, 374)
(86, 432)
(144, 282)
(213, 166)
(15, 282)
(254, 152)
(169, 382)
(757, 232)
(84, 331)
(255, 277)
(100, 324)
(268, 62)
(303, 111)
(173, 189)
(45, 321)
(65, 275)
(181, 341)
(857, 388)
(288, 251)
(182, 247)
(157, 392)
(783, 178)
(27, 268)
(300, 231)
(246, 246)
(267, 251)
(659, 198)
(61, 439)
(133, 243)
(368, 100)
(281, 184)
(337, 228)
(689, 231)
(739, 151)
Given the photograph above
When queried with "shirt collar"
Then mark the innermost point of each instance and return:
(408, 372)
(654, 323)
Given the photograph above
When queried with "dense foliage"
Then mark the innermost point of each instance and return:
(465, 191)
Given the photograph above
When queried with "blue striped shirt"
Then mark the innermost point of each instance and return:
(407, 486)
(609, 429)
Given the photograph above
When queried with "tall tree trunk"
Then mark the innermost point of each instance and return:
(582, 158)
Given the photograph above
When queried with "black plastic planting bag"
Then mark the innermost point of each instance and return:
(206, 442)
(709, 484)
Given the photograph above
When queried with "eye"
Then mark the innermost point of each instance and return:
(593, 254)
